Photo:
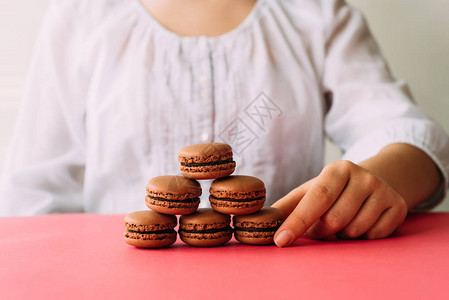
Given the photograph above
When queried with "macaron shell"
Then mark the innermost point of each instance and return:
(208, 172)
(150, 240)
(235, 207)
(206, 239)
(205, 153)
(238, 187)
(204, 219)
(171, 207)
(173, 187)
(147, 220)
(254, 238)
(264, 218)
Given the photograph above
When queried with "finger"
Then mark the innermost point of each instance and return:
(358, 189)
(387, 222)
(365, 218)
(288, 203)
(316, 201)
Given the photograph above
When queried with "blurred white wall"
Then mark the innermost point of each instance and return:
(19, 24)
(413, 34)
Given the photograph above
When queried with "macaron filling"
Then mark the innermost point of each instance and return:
(212, 230)
(191, 200)
(253, 229)
(213, 163)
(206, 237)
(153, 232)
(237, 200)
(173, 203)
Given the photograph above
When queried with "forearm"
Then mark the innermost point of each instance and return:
(410, 171)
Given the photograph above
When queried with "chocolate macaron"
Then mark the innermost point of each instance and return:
(149, 229)
(205, 227)
(173, 195)
(237, 194)
(258, 228)
(206, 161)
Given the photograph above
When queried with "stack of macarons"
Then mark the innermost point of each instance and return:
(238, 195)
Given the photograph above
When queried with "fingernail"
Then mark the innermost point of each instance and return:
(283, 238)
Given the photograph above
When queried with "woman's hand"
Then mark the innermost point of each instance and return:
(346, 200)
(370, 199)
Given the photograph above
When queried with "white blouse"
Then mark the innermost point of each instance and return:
(112, 96)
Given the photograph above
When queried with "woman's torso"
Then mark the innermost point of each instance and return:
(152, 91)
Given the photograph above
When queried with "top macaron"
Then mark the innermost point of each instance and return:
(206, 161)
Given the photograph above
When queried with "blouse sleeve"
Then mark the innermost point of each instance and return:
(368, 108)
(44, 165)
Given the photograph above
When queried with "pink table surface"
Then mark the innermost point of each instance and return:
(85, 257)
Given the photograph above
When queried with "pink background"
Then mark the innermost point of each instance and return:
(85, 257)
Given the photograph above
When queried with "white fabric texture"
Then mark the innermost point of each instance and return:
(112, 96)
